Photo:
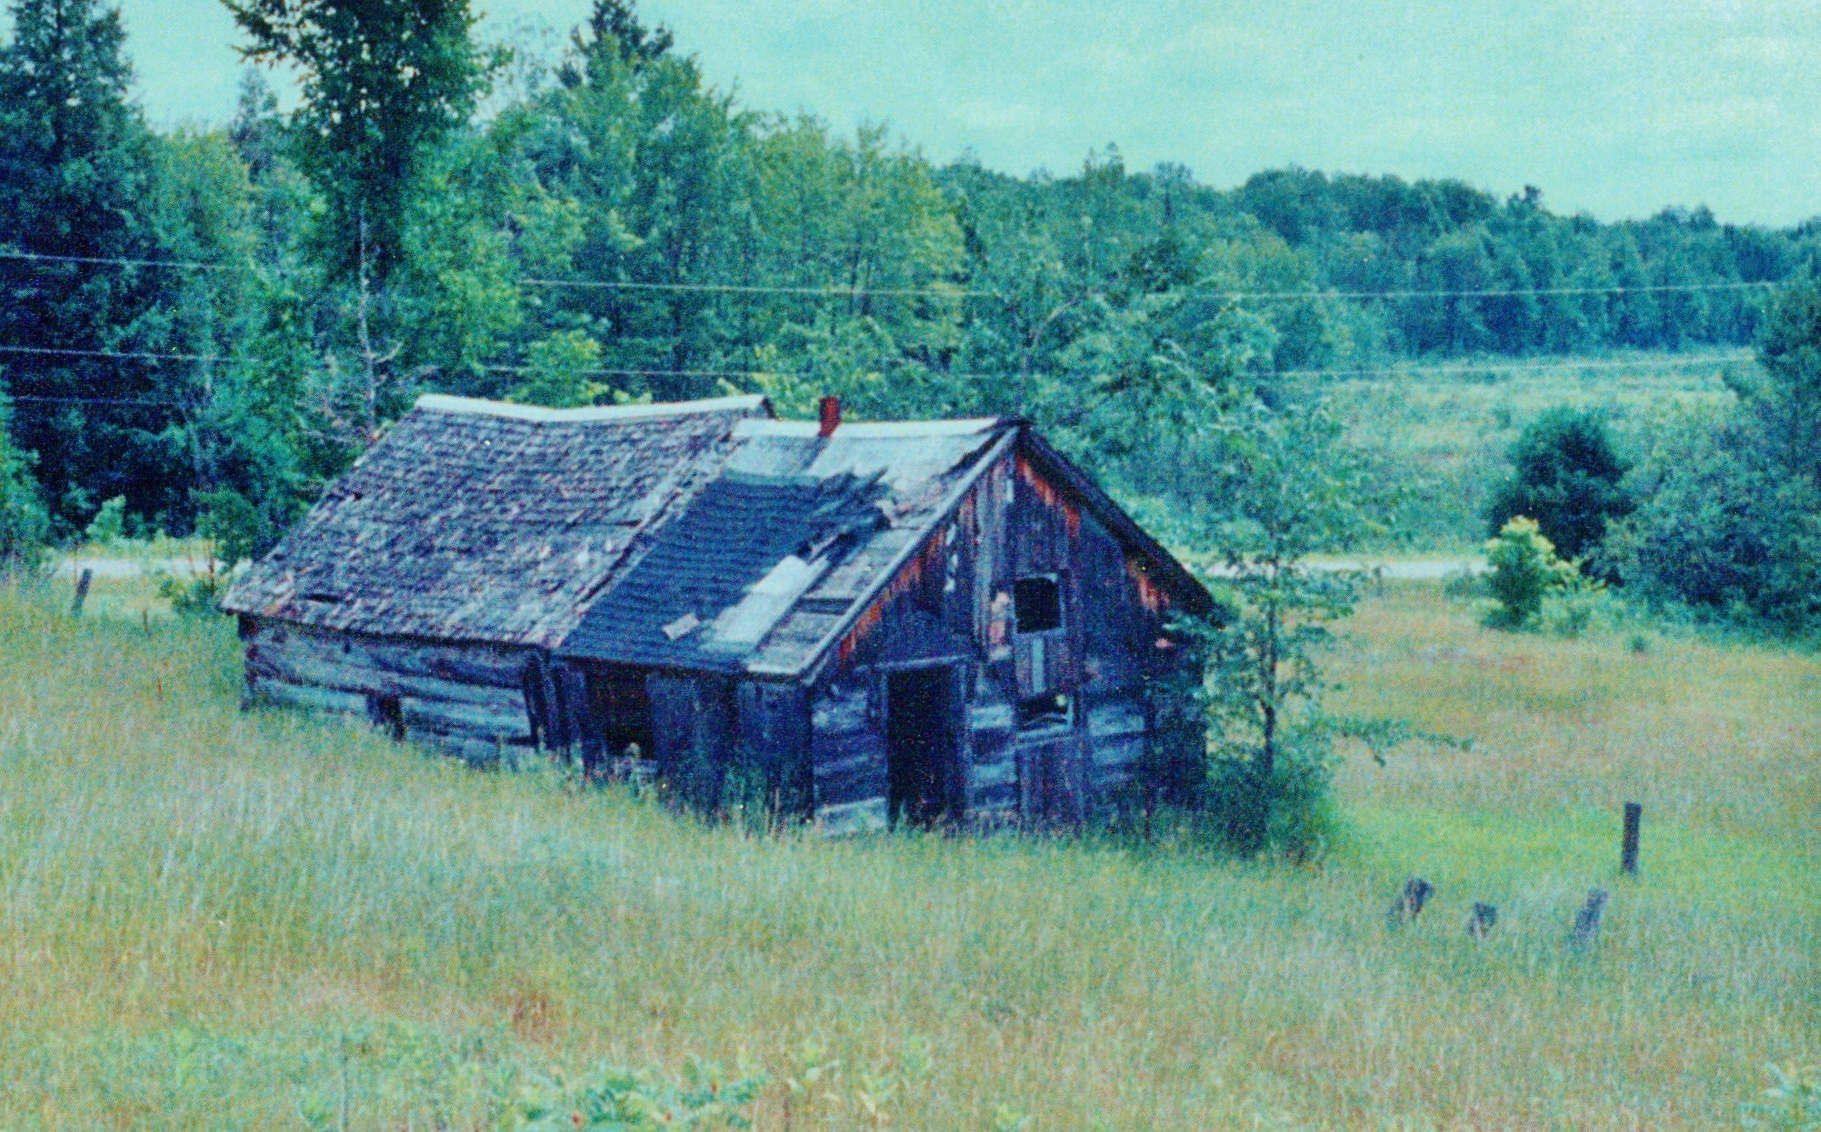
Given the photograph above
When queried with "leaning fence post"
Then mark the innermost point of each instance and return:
(82, 591)
(1628, 846)
(1587, 920)
(1409, 904)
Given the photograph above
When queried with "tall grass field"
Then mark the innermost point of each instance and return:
(1440, 435)
(218, 920)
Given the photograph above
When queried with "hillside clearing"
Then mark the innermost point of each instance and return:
(221, 920)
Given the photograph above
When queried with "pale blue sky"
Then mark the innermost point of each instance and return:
(1616, 108)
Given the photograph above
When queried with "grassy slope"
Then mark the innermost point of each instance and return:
(210, 919)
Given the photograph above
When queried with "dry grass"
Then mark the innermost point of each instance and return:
(217, 920)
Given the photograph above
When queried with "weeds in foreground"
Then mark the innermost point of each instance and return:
(260, 915)
(1790, 1103)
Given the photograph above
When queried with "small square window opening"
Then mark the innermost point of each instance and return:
(1037, 603)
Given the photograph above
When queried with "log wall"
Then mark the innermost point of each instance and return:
(468, 699)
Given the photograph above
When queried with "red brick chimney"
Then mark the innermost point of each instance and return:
(831, 417)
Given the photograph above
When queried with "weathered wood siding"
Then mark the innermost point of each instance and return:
(466, 698)
(704, 727)
(953, 603)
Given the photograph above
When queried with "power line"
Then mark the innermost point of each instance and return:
(753, 289)
(1672, 362)
(126, 355)
(1663, 288)
(962, 293)
(96, 401)
(173, 264)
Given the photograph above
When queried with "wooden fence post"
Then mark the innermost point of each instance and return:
(1482, 919)
(1587, 920)
(1409, 904)
(1628, 846)
(82, 591)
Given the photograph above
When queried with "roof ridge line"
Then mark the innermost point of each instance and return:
(445, 403)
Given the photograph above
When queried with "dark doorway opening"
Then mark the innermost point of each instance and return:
(922, 752)
(619, 716)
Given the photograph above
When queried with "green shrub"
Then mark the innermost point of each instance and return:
(1572, 610)
(1566, 477)
(194, 597)
(1790, 1103)
(1722, 529)
(108, 526)
(1524, 570)
(1288, 809)
(24, 524)
(611, 1099)
(236, 528)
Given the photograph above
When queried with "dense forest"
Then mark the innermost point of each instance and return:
(224, 317)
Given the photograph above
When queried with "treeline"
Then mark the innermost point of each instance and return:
(217, 320)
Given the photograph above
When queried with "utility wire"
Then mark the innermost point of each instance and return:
(173, 264)
(1672, 362)
(747, 289)
(940, 293)
(96, 401)
(46, 351)
(1668, 362)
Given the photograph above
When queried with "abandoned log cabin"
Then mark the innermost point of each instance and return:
(864, 623)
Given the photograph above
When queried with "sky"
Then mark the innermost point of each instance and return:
(1614, 108)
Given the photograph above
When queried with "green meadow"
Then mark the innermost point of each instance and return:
(216, 919)
(1439, 434)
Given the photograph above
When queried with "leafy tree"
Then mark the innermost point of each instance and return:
(1730, 518)
(614, 28)
(109, 525)
(1722, 528)
(74, 163)
(560, 372)
(385, 82)
(235, 525)
(659, 167)
(1566, 477)
(1290, 492)
(1785, 402)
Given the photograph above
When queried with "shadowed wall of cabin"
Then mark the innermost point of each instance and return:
(954, 604)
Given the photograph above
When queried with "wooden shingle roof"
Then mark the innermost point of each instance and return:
(477, 521)
(699, 536)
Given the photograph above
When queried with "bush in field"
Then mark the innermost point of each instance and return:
(234, 526)
(1524, 570)
(1722, 529)
(1730, 520)
(109, 524)
(1566, 477)
(24, 524)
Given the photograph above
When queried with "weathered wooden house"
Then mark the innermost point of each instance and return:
(867, 623)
